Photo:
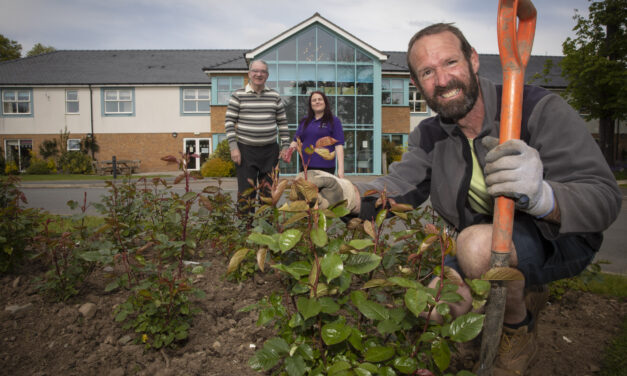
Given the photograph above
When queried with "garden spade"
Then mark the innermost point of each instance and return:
(514, 49)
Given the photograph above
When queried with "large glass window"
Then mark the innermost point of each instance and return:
(118, 101)
(18, 152)
(16, 102)
(417, 103)
(196, 100)
(71, 101)
(224, 86)
(317, 60)
(392, 91)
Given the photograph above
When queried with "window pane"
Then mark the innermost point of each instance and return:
(189, 93)
(189, 106)
(23, 95)
(386, 98)
(203, 93)
(364, 151)
(346, 79)
(224, 83)
(204, 106)
(362, 57)
(8, 95)
(111, 95)
(71, 95)
(287, 79)
(111, 107)
(269, 56)
(72, 107)
(306, 78)
(326, 78)
(290, 109)
(397, 98)
(23, 107)
(9, 108)
(349, 151)
(125, 95)
(223, 97)
(326, 46)
(396, 84)
(307, 46)
(126, 107)
(74, 144)
(345, 53)
(346, 109)
(287, 51)
(364, 110)
(302, 106)
(364, 79)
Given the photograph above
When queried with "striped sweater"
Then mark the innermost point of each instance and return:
(253, 119)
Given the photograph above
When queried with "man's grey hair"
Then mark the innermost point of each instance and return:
(258, 61)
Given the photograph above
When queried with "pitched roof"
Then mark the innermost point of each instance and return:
(185, 67)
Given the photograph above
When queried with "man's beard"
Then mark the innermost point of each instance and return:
(452, 111)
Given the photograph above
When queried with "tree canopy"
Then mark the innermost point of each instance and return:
(595, 65)
(39, 49)
(9, 49)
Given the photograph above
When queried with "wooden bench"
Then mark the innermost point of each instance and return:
(123, 166)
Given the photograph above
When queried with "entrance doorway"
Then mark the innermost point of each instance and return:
(199, 146)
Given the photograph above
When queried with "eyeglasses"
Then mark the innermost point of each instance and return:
(257, 71)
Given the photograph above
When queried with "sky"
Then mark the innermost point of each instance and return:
(386, 25)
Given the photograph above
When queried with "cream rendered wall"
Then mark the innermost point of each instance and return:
(49, 117)
(157, 110)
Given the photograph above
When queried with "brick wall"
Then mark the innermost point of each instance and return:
(394, 119)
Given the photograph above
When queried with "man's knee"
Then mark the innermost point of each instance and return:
(473, 249)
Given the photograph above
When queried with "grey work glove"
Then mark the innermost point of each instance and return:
(332, 190)
(514, 169)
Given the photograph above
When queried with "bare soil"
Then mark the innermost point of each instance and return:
(48, 338)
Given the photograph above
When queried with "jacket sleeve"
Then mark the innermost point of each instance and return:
(231, 118)
(585, 188)
(408, 181)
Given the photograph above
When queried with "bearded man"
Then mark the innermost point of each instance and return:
(565, 193)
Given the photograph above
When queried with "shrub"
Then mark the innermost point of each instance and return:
(222, 151)
(39, 166)
(75, 162)
(11, 168)
(2, 162)
(393, 153)
(49, 148)
(217, 167)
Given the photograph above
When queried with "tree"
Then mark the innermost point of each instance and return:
(9, 49)
(595, 65)
(39, 49)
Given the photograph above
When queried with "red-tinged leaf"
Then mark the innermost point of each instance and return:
(194, 155)
(261, 258)
(354, 223)
(204, 201)
(309, 150)
(400, 207)
(276, 194)
(325, 153)
(179, 178)
(503, 274)
(237, 259)
(325, 141)
(211, 189)
(266, 199)
(451, 275)
(170, 159)
(431, 229)
(371, 192)
(427, 242)
(369, 229)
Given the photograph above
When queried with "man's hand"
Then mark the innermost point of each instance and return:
(236, 156)
(332, 190)
(514, 169)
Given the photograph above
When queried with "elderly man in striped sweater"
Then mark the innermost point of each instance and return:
(254, 116)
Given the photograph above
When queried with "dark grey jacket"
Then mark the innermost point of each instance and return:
(438, 164)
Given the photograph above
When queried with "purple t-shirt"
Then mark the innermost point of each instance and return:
(314, 131)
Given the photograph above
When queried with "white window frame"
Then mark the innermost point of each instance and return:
(74, 144)
(69, 101)
(118, 100)
(196, 99)
(415, 98)
(17, 101)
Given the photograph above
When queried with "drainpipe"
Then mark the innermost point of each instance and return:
(91, 118)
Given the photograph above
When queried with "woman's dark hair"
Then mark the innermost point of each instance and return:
(327, 117)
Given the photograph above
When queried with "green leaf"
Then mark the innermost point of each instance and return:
(319, 237)
(386, 371)
(322, 221)
(404, 282)
(441, 354)
(337, 367)
(360, 243)
(237, 259)
(308, 307)
(340, 211)
(296, 269)
(373, 310)
(378, 282)
(355, 339)
(362, 263)
(263, 239)
(388, 326)
(328, 305)
(335, 332)
(331, 266)
(466, 327)
(416, 301)
(295, 366)
(405, 364)
(91, 256)
(296, 320)
(289, 239)
(381, 215)
(112, 286)
(198, 269)
(379, 353)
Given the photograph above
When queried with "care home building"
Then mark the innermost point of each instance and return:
(146, 104)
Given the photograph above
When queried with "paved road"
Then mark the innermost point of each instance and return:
(53, 196)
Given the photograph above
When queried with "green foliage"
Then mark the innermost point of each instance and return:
(9, 49)
(352, 303)
(11, 168)
(49, 148)
(18, 225)
(216, 167)
(39, 166)
(2, 162)
(39, 49)
(222, 151)
(393, 152)
(614, 360)
(75, 162)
